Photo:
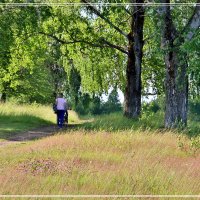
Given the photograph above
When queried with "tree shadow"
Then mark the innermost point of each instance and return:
(26, 127)
(12, 125)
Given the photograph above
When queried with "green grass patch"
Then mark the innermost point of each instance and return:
(148, 121)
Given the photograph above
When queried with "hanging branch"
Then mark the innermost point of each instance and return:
(105, 43)
(193, 23)
(114, 46)
(105, 19)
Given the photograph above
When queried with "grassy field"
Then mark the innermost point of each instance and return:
(109, 155)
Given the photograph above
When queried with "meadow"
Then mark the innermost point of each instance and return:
(105, 155)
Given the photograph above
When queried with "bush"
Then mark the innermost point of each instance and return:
(111, 107)
(194, 106)
(153, 106)
(80, 109)
(95, 106)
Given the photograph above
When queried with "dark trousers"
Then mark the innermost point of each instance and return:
(60, 117)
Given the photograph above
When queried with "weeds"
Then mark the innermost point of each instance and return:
(114, 163)
(191, 146)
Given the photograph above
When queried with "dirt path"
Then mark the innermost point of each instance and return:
(31, 135)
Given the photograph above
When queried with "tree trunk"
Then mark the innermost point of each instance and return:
(176, 91)
(4, 93)
(176, 77)
(171, 111)
(133, 92)
(182, 90)
(3, 97)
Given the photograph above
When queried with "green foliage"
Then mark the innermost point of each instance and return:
(194, 107)
(194, 117)
(191, 147)
(113, 104)
(153, 70)
(151, 107)
(193, 48)
(117, 122)
(23, 74)
(74, 85)
(92, 107)
(95, 106)
(195, 144)
(81, 109)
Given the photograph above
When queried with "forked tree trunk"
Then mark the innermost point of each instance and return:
(132, 107)
(176, 76)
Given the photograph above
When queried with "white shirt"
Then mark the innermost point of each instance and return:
(61, 104)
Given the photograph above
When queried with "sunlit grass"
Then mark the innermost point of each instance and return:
(148, 121)
(116, 121)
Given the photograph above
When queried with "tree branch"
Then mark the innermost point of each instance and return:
(193, 23)
(105, 44)
(114, 46)
(127, 11)
(104, 18)
(150, 94)
(58, 39)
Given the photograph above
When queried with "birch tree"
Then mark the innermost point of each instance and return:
(176, 64)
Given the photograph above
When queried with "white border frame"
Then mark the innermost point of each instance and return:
(102, 4)
(99, 196)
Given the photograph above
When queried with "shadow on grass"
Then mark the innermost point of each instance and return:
(40, 132)
(11, 125)
(27, 127)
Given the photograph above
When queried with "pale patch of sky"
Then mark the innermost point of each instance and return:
(146, 99)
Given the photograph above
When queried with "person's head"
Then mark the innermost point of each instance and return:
(60, 95)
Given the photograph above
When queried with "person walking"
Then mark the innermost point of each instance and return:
(61, 105)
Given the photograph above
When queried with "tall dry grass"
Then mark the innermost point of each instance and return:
(109, 155)
(78, 162)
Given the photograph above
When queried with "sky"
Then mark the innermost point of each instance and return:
(121, 96)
